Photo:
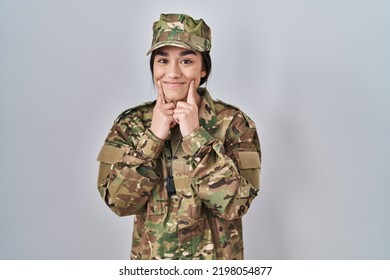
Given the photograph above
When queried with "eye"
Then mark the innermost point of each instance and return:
(186, 61)
(162, 60)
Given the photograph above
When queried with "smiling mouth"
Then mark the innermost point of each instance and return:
(174, 84)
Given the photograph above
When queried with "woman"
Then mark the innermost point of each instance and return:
(185, 165)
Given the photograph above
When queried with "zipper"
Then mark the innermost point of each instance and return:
(170, 181)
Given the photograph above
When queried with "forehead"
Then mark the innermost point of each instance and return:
(175, 51)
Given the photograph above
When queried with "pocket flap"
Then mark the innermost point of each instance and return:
(247, 159)
(110, 154)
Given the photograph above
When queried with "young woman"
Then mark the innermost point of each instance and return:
(185, 165)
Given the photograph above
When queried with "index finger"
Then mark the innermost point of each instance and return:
(191, 94)
(160, 93)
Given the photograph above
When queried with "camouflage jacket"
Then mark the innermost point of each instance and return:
(215, 171)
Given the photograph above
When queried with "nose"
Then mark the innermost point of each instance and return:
(174, 71)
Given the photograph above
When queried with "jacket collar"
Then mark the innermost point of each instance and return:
(207, 114)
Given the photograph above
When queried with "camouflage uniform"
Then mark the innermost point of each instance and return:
(216, 174)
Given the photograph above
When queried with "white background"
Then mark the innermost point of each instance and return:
(313, 75)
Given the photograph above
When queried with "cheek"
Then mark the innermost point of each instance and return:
(157, 73)
(197, 74)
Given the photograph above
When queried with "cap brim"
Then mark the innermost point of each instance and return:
(179, 44)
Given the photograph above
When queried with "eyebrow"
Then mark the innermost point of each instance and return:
(183, 53)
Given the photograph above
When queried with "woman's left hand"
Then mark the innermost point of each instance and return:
(186, 113)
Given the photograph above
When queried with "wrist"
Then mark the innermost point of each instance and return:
(157, 133)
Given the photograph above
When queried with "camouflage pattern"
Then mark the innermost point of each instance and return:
(181, 30)
(216, 173)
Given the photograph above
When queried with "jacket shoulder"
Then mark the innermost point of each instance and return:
(143, 108)
(221, 105)
(225, 109)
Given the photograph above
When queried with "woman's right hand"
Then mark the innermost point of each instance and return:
(162, 119)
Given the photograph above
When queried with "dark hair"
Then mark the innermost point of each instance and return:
(206, 65)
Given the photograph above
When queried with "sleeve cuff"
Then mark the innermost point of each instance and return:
(150, 145)
(195, 140)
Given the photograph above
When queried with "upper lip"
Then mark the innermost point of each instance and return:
(173, 82)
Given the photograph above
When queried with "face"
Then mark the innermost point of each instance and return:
(175, 68)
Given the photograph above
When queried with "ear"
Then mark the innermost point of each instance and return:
(203, 73)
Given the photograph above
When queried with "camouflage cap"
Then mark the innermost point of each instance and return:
(182, 31)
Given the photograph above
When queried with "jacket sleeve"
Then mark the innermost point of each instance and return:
(226, 175)
(127, 171)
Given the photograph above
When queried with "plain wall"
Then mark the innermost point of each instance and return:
(313, 75)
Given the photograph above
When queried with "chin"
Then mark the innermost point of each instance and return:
(174, 96)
